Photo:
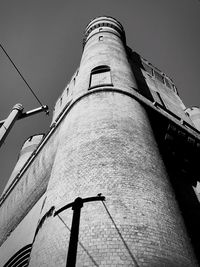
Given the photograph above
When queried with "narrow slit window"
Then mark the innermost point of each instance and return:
(159, 98)
(168, 83)
(100, 76)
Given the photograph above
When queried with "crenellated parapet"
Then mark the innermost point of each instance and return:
(104, 24)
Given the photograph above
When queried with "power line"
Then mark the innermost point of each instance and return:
(120, 235)
(21, 75)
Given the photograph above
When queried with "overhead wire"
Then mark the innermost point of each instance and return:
(80, 243)
(120, 235)
(21, 75)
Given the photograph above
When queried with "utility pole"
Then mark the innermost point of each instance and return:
(73, 242)
(16, 114)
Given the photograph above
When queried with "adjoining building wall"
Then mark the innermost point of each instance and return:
(161, 88)
(194, 114)
(65, 99)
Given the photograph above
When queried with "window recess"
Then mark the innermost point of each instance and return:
(168, 84)
(159, 76)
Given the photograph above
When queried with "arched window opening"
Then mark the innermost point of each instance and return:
(100, 76)
(20, 258)
(61, 101)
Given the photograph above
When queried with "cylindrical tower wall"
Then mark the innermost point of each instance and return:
(28, 188)
(107, 146)
(27, 149)
(10, 120)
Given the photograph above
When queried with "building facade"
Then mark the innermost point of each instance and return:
(119, 129)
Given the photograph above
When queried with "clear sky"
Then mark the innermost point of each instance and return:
(44, 39)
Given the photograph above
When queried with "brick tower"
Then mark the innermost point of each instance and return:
(118, 129)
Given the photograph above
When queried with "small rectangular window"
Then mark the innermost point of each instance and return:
(100, 76)
(100, 38)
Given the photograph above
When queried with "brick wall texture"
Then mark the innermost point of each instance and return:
(108, 147)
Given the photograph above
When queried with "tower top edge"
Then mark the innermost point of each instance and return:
(33, 138)
(104, 21)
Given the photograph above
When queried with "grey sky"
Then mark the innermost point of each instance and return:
(44, 38)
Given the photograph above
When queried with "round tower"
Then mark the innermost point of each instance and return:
(27, 149)
(107, 146)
